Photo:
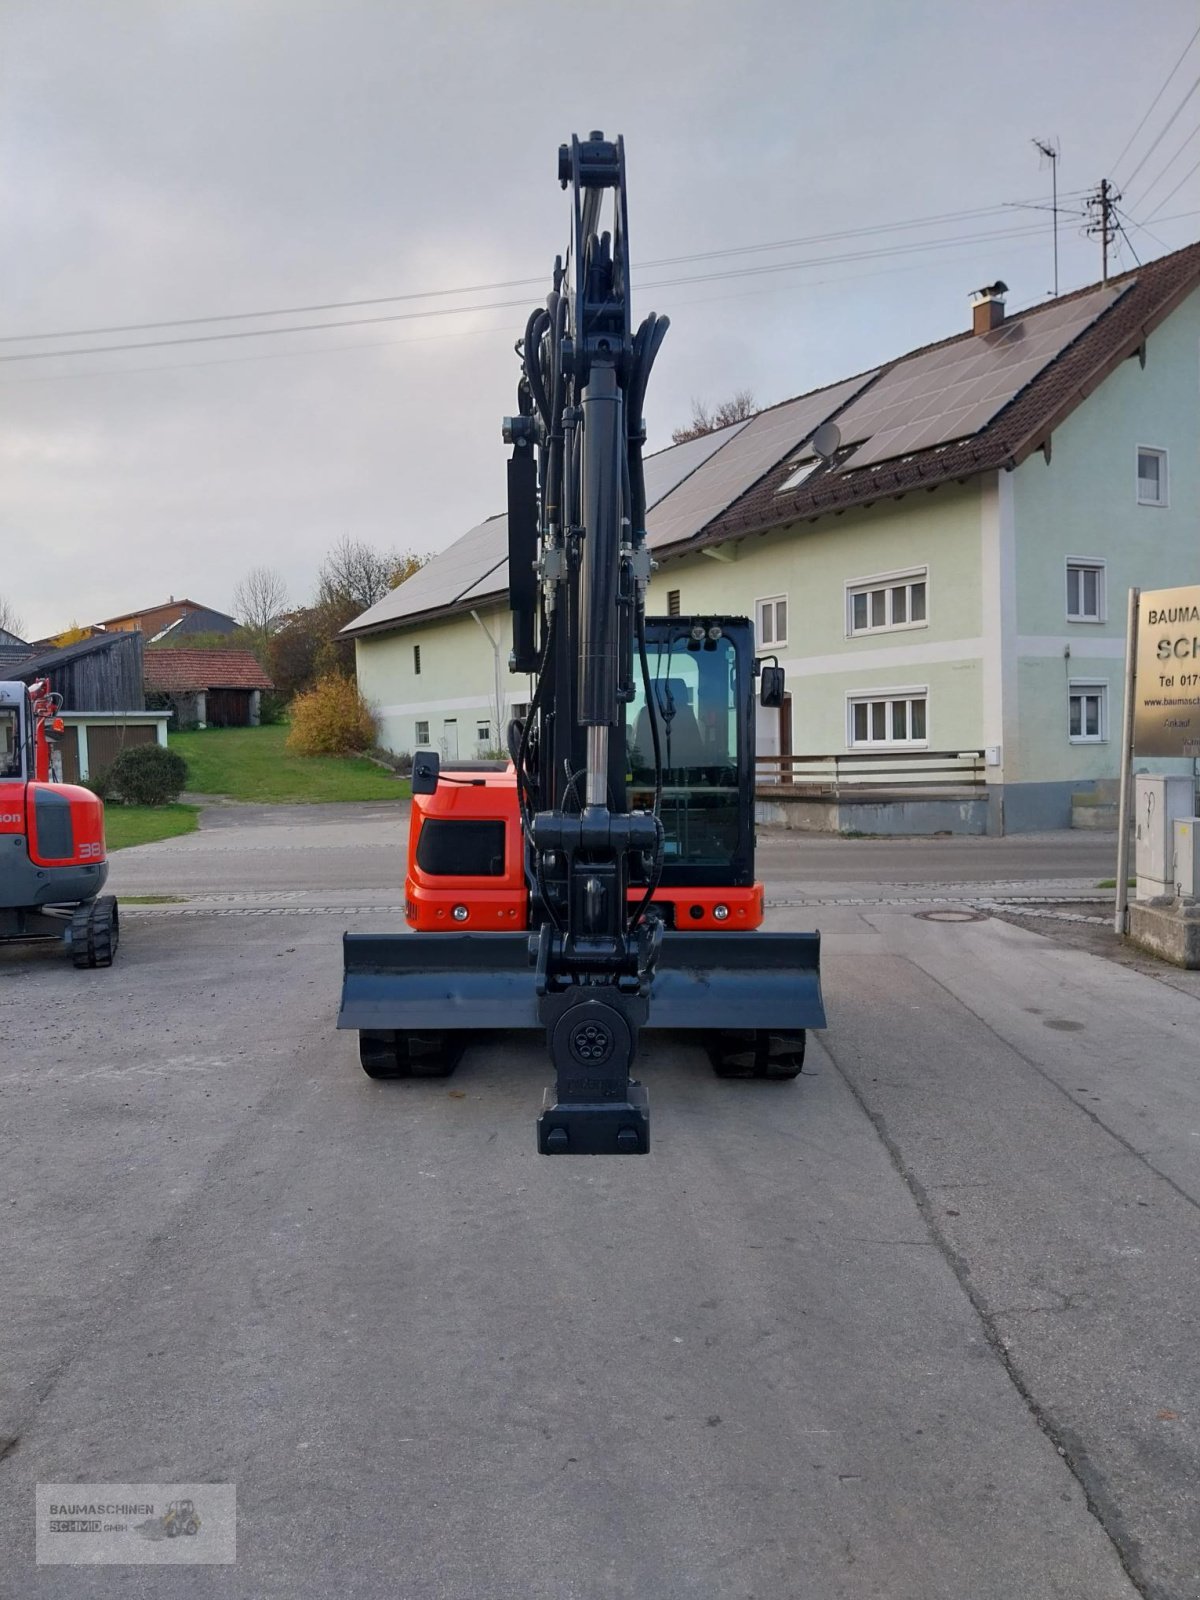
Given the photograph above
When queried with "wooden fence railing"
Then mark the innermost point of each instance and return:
(873, 769)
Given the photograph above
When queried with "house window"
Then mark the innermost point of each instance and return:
(804, 469)
(883, 604)
(1087, 716)
(417, 659)
(887, 717)
(520, 711)
(672, 602)
(483, 735)
(1085, 591)
(422, 735)
(1151, 476)
(772, 620)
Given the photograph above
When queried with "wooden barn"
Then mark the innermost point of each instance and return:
(104, 704)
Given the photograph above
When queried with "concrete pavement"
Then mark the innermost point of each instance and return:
(914, 1326)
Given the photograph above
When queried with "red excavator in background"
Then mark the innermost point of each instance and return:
(52, 855)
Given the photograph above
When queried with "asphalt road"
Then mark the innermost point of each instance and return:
(917, 1326)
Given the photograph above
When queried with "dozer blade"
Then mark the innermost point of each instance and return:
(437, 982)
(449, 981)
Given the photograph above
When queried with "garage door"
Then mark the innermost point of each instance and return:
(105, 744)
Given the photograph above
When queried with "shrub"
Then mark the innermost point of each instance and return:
(99, 785)
(147, 775)
(272, 708)
(332, 719)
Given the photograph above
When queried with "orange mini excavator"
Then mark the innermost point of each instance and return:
(604, 882)
(52, 856)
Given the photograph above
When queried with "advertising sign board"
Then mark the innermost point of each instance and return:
(1166, 719)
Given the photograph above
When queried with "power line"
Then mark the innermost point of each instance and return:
(1154, 102)
(509, 283)
(1162, 172)
(1172, 195)
(1163, 131)
(499, 330)
(1139, 227)
(500, 305)
(504, 330)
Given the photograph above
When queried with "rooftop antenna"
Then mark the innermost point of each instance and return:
(1050, 150)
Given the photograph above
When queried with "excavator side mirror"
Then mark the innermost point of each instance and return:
(771, 686)
(425, 768)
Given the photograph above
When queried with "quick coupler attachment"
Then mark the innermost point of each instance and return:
(601, 1128)
(596, 1109)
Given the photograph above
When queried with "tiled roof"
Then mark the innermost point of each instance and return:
(973, 403)
(179, 671)
(1024, 425)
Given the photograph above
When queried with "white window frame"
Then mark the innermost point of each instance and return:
(886, 581)
(420, 740)
(854, 697)
(770, 600)
(1087, 686)
(1164, 475)
(484, 738)
(1101, 568)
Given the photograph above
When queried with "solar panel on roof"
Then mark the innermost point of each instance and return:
(954, 391)
(666, 469)
(726, 475)
(492, 583)
(444, 579)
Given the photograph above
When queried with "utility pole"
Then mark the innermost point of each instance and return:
(1102, 206)
(1050, 153)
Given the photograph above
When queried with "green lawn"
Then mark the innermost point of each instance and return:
(129, 825)
(252, 764)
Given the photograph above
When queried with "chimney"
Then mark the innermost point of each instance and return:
(987, 307)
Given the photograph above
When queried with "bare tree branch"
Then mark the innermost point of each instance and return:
(10, 621)
(259, 601)
(737, 408)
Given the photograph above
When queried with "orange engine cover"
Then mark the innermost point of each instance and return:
(465, 856)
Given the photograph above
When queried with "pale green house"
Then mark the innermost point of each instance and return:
(948, 578)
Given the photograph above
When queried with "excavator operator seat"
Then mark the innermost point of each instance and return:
(678, 730)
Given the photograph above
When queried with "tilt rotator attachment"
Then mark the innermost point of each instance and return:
(453, 984)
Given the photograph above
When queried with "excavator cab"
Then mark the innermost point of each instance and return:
(702, 681)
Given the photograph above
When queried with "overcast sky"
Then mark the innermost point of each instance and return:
(196, 158)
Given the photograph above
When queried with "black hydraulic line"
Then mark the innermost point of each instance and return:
(534, 329)
(660, 851)
(523, 779)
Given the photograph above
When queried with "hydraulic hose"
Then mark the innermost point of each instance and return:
(659, 852)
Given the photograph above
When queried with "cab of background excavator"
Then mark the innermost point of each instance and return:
(16, 732)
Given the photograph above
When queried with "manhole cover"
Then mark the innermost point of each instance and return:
(952, 916)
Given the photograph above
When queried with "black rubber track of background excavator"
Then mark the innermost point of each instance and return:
(95, 932)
